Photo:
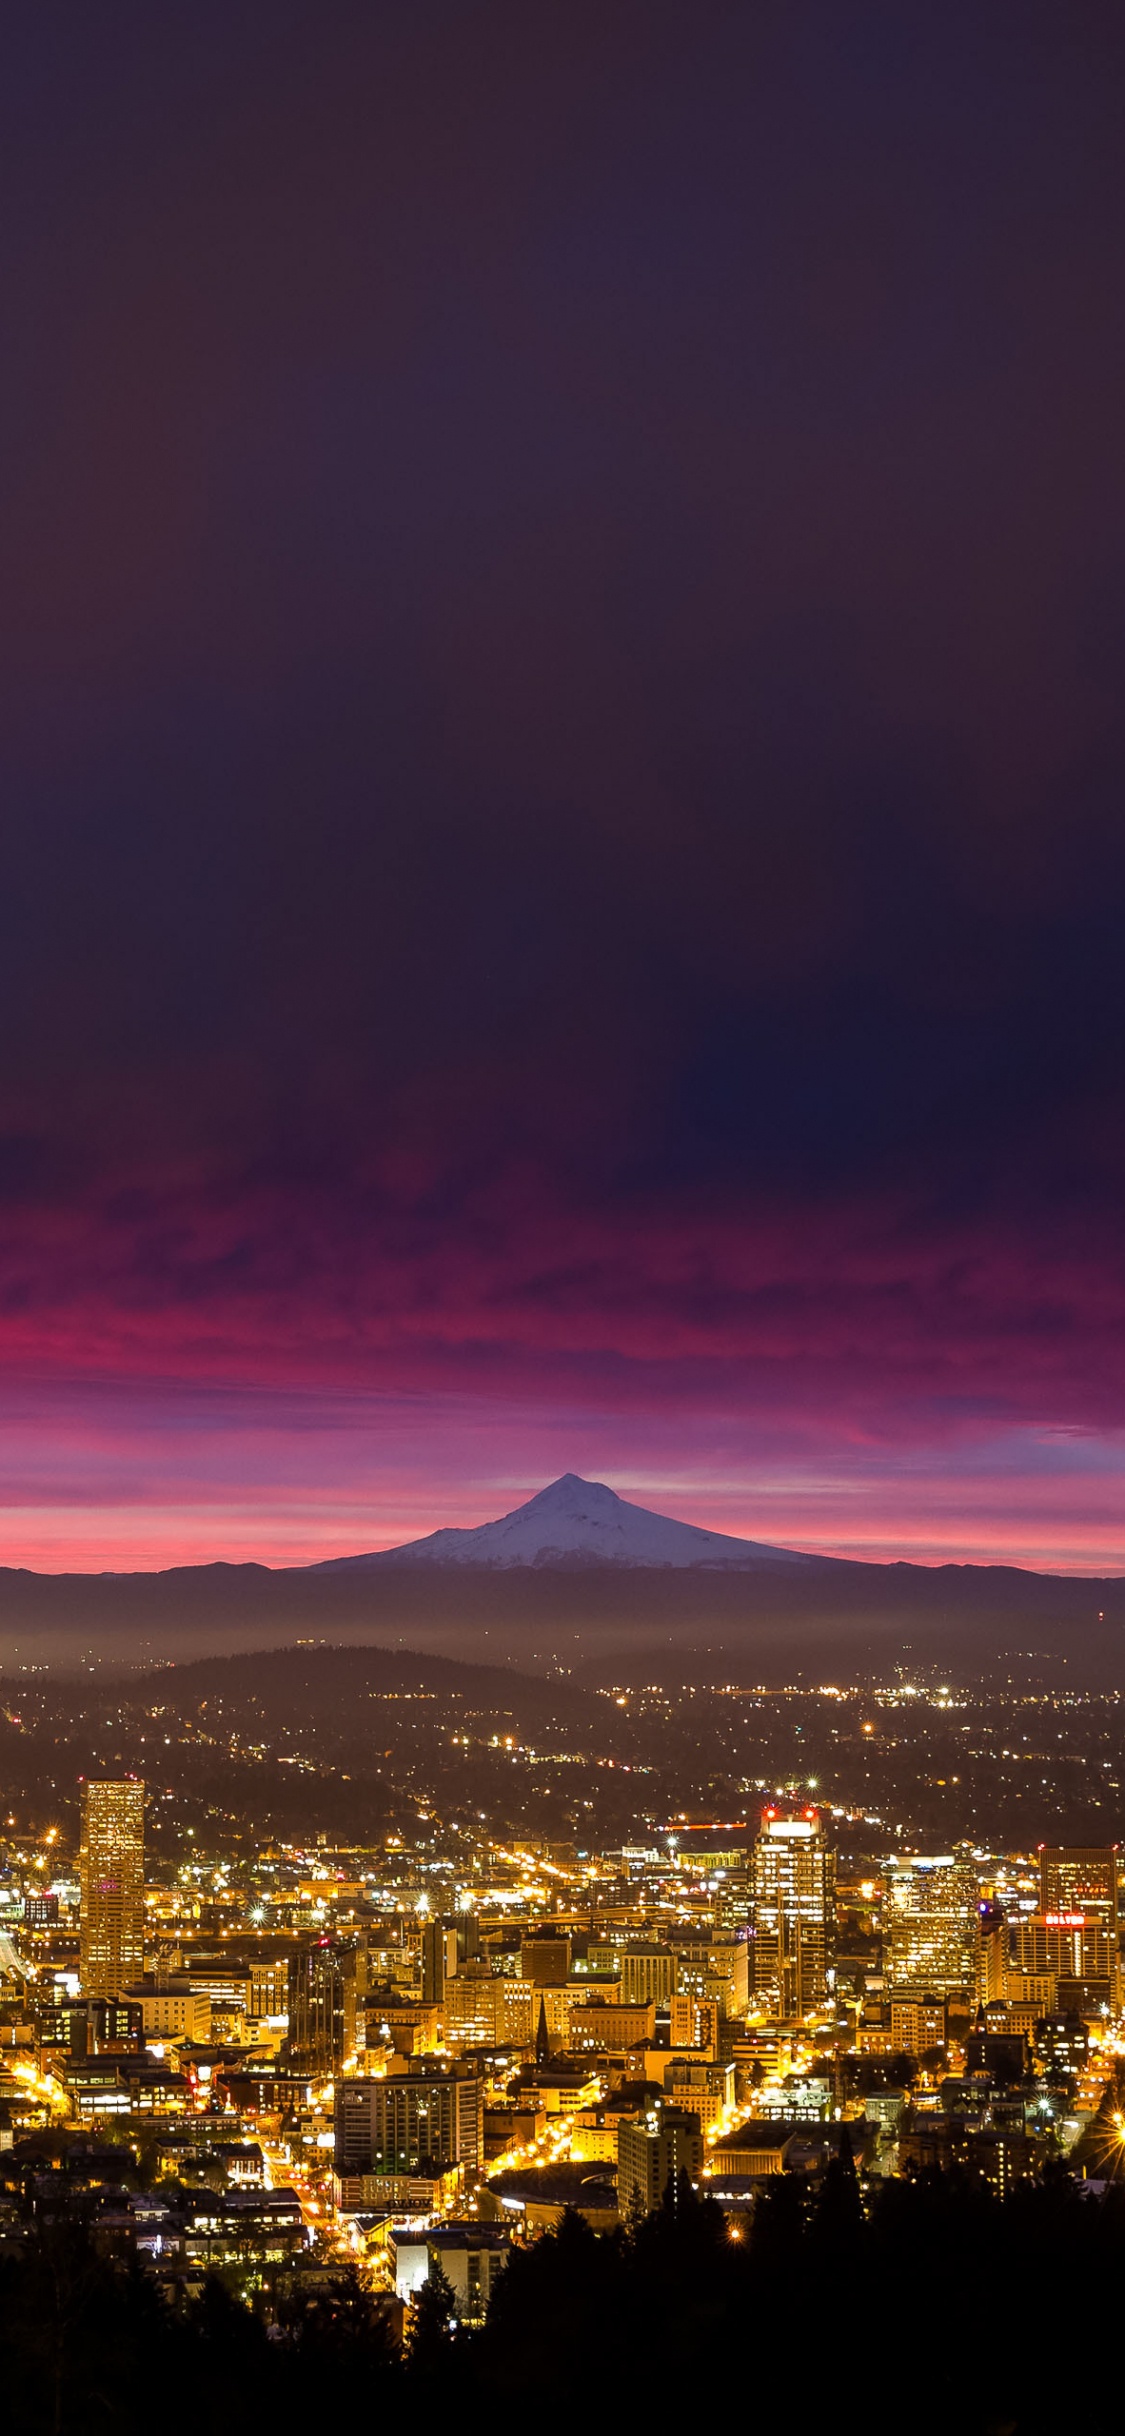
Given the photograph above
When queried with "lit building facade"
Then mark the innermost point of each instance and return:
(388, 2126)
(479, 2010)
(316, 2008)
(171, 2008)
(1079, 1878)
(649, 1975)
(993, 1953)
(112, 1884)
(931, 1925)
(793, 1914)
(1062, 1945)
(1078, 1914)
(327, 1984)
(652, 2150)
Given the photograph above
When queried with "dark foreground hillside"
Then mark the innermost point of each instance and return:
(941, 2308)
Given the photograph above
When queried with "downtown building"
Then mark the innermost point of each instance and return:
(480, 2009)
(327, 1982)
(792, 1914)
(931, 1932)
(393, 2125)
(1068, 1950)
(111, 1870)
(653, 2150)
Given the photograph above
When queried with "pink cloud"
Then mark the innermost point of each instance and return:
(188, 1378)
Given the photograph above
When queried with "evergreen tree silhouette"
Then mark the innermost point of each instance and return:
(429, 2329)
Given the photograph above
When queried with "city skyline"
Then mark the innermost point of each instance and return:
(403, 2029)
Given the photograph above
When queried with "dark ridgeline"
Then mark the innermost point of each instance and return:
(941, 2307)
(849, 1616)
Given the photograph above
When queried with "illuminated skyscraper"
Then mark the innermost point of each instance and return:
(793, 1914)
(931, 1924)
(993, 1943)
(327, 1984)
(112, 1878)
(1074, 1935)
(1080, 1878)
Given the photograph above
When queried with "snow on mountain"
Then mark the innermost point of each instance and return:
(575, 1523)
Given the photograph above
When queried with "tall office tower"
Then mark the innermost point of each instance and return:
(1079, 1878)
(317, 2010)
(1075, 1934)
(792, 1914)
(439, 1959)
(931, 1925)
(112, 1881)
(992, 1953)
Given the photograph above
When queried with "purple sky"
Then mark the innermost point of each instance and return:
(563, 621)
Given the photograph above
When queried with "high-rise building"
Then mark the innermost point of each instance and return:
(1079, 1878)
(593, 2026)
(694, 2022)
(439, 1959)
(388, 2126)
(112, 1883)
(732, 1898)
(480, 2011)
(793, 1914)
(1078, 1930)
(931, 1924)
(652, 2150)
(316, 2008)
(269, 1987)
(327, 1982)
(993, 1944)
(1064, 1952)
(171, 2007)
(917, 2024)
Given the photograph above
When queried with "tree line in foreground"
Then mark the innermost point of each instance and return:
(937, 2305)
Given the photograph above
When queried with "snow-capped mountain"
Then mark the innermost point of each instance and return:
(578, 1522)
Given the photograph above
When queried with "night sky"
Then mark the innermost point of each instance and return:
(562, 750)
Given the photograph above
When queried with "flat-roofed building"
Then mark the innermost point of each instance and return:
(649, 1974)
(481, 2011)
(609, 2029)
(917, 2024)
(653, 2149)
(388, 2126)
(171, 2008)
(930, 1925)
(1078, 1902)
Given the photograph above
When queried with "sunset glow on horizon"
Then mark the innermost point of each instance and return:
(564, 878)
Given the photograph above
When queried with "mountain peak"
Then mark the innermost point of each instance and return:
(570, 1493)
(575, 1523)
